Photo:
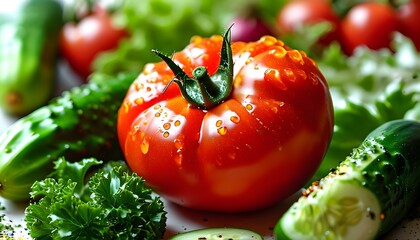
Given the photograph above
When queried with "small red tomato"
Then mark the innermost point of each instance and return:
(81, 42)
(409, 21)
(299, 13)
(369, 24)
(245, 126)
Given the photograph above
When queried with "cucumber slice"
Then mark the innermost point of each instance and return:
(366, 195)
(218, 234)
(342, 216)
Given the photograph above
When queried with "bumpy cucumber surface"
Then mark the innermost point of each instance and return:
(218, 234)
(80, 123)
(366, 195)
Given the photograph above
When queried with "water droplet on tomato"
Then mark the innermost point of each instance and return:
(165, 134)
(256, 67)
(196, 40)
(167, 126)
(278, 52)
(249, 107)
(314, 78)
(273, 76)
(177, 123)
(139, 101)
(148, 89)
(222, 130)
(144, 146)
(249, 60)
(268, 40)
(138, 86)
(290, 75)
(302, 74)
(232, 155)
(157, 114)
(295, 56)
(219, 123)
(235, 119)
(179, 142)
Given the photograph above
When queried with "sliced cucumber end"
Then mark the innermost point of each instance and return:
(343, 210)
(218, 234)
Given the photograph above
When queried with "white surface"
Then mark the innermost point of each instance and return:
(181, 219)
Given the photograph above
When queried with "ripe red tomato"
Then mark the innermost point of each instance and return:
(409, 21)
(80, 43)
(255, 145)
(370, 24)
(299, 13)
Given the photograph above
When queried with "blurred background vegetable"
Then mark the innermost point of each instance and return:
(28, 53)
(88, 34)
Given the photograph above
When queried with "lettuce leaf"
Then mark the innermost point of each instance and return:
(368, 89)
(165, 25)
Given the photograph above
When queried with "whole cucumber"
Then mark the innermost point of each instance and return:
(29, 34)
(366, 195)
(79, 123)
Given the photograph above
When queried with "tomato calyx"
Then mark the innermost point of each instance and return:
(202, 90)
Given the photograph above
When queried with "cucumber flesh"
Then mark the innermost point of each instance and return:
(218, 234)
(350, 212)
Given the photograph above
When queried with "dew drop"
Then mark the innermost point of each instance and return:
(302, 74)
(219, 123)
(295, 56)
(235, 119)
(167, 126)
(8, 150)
(249, 60)
(144, 146)
(278, 52)
(179, 142)
(268, 40)
(196, 40)
(249, 107)
(222, 130)
(290, 75)
(138, 86)
(139, 101)
(314, 78)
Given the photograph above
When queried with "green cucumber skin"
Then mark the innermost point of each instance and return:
(387, 164)
(29, 50)
(394, 177)
(79, 123)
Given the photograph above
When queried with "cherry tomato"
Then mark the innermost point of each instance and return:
(81, 42)
(409, 21)
(249, 133)
(299, 13)
(369, 24)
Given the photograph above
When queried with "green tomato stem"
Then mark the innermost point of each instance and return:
(202, 90)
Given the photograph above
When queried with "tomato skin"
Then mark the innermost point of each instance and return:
(369, 24)
(81, 42)
(408, 15)
(253, 150)
(298, 13)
